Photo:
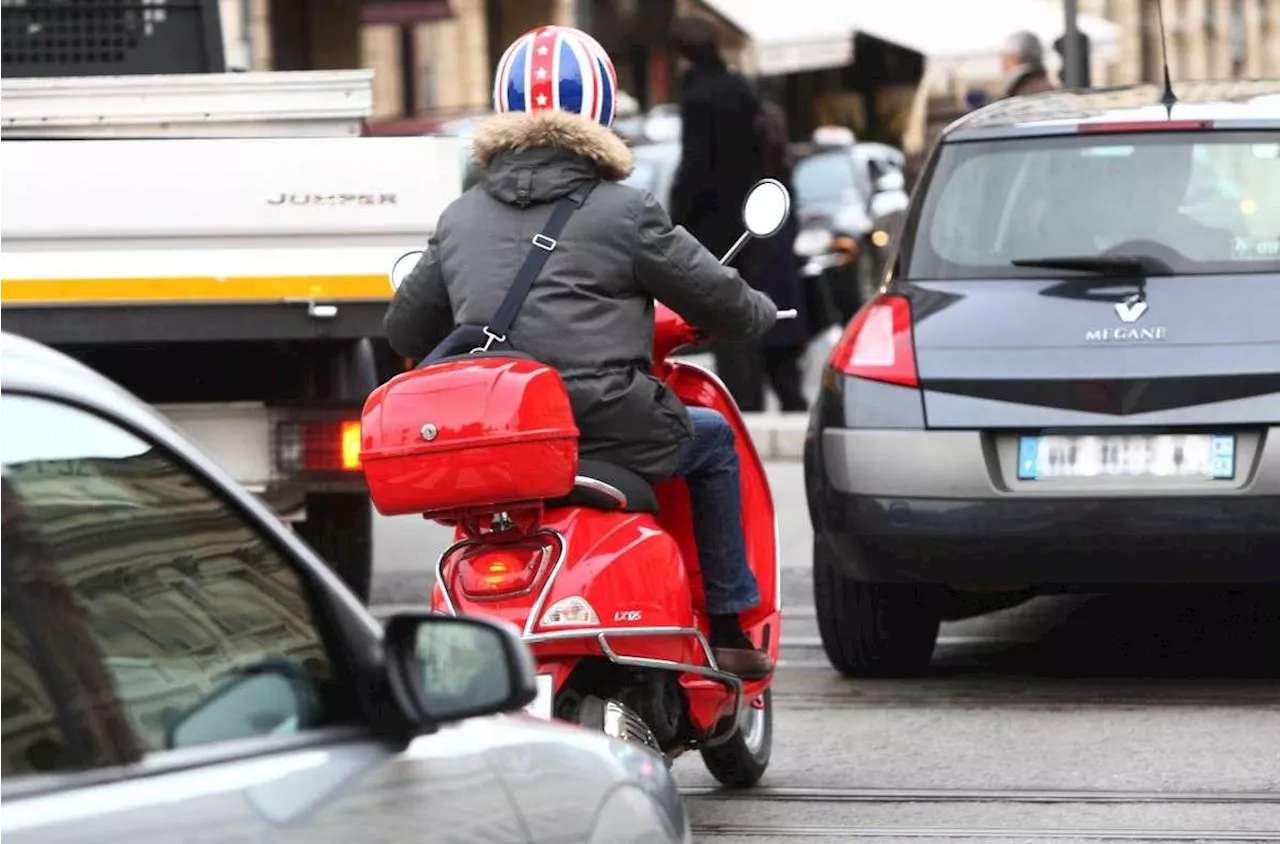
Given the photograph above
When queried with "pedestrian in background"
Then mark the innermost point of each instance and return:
(720, 159)
(779, 275)
(1023, 65)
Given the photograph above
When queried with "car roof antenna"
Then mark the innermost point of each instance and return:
(1168, 98)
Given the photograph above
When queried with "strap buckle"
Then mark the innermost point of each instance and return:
(492, 338)
(541, 241)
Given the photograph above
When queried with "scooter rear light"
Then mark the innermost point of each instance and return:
(878, 344)
(503, 570)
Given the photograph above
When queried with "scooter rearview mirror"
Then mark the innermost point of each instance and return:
(764, 212)
(766, 208)
(402, 267)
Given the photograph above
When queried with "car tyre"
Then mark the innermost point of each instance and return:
(741, 761)
(873, 629)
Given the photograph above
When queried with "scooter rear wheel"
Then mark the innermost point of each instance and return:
(741, 761)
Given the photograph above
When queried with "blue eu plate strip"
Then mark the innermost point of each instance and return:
(1028, 449)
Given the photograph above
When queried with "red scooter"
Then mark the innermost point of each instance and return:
(597, 567)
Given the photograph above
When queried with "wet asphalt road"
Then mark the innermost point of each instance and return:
(1150, 717)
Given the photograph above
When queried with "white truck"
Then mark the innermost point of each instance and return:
(219, 244)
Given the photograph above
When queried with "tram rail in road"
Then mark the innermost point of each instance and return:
(704, 796)
(972, 795)
(854, 833)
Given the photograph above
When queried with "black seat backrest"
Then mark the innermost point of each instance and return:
(605, 486)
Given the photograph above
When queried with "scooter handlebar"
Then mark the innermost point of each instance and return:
(672, 332)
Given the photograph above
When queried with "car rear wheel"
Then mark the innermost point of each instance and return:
(873, 629)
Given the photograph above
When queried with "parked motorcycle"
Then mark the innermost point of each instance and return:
(596, 566)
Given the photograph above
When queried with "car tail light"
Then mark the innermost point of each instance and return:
(320, 446)
(878, 344)
(503, 570)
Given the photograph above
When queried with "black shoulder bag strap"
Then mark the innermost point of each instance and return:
(544, 243)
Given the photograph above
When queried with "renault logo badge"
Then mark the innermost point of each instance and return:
(1132, 308)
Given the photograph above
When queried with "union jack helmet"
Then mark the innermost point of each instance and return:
(557, 67)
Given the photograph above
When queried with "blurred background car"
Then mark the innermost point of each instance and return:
(655, 169)
(846, 192)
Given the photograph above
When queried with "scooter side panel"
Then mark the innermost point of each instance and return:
(631, 572)
(623, 565)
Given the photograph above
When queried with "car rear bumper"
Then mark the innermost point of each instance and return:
(946, 507)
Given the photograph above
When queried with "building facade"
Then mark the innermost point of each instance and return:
(1206, 39)
(429, 57)
(433, 59)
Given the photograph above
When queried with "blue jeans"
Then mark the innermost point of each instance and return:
(709, 465)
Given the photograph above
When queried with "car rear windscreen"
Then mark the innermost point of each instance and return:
(1198, 202)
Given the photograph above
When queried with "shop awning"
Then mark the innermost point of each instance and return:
(404, 11)
(948, 31)
(789, 36)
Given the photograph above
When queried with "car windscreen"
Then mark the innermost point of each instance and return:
(1195, 202)
(824, 180)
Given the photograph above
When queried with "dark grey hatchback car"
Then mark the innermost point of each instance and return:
(1071, 377)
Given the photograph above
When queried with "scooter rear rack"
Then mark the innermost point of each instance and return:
(711, 670)
(602, 634)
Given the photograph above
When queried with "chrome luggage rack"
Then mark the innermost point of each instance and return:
(602, 634)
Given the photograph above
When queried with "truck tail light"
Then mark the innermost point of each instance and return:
(498, 571)
(320, 446)
(878, 344)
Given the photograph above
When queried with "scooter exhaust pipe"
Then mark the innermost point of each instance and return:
(615, 719)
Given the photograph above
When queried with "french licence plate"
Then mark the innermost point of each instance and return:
(1211, 456)
(541, 706)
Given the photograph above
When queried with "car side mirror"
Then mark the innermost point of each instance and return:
(446, 668)
(890, 181)
(403, 266)
(273, 696)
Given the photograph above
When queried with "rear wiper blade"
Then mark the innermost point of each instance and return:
(1120, 265)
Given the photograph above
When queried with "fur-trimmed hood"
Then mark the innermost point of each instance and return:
(518, 131)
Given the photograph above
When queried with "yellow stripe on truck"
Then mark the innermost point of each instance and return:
(194, 289)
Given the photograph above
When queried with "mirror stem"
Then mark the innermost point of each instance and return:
(736, 248)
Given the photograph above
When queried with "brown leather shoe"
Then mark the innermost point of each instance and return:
(749, 664)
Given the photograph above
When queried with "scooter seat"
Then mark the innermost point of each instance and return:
(605, 486)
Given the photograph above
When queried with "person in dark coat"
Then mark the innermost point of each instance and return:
(720, 159)
(778, 273)
(590, 312)
(1023, 66)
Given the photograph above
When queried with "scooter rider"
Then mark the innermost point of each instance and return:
(590, 313)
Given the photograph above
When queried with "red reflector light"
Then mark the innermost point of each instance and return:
(504, 570)
(1146, 126)
(878, 343)
(322, 446)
